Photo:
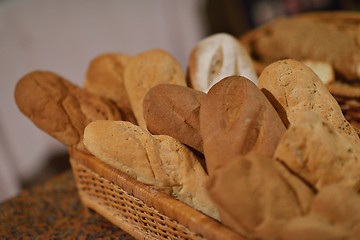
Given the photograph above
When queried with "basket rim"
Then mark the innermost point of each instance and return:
(167, 205)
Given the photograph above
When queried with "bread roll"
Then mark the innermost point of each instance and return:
(160, 161)
(215, 57)
(333, 39)
(292, 88)
(236, 118)
(146, 70)
(316, 151)
(334, 214)
(174, 110)
(105, 77)
(257, 196)
(60, 108)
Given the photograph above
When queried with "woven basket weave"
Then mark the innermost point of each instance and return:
(140, 210)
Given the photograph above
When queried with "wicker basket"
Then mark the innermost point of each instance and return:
(140, 210)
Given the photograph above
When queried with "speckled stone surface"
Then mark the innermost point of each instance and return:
(54, 211)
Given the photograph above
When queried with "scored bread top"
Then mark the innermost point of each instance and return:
(105, 77)
(236, 118)
(60, 108)
(174, 110)
(146, 70)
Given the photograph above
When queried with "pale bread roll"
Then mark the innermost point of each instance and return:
(160, 161)
(146, 70)
(323, 69)
(216, 57)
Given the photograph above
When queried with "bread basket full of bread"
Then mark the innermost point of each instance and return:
(257, 139)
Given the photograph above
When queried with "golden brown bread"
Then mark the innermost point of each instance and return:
(237, 118)
(318, 153)
(331, 38)
(257, 196)
(215, 57)
(334, 214)
(105, 77)
(292, 88)
(160, 161)
(307, 38)
(60, 108)
(174, 110)
(146, 70)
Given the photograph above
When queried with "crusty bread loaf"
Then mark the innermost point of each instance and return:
(334, 214)
(313, 149)
(105, 77)
(215, 57)
(173, 110)
(329, 38)
(236, 118)
(292, 88)
(257, 196)
(60, 108)
(146, 70)
(308, 38)
(160, 161)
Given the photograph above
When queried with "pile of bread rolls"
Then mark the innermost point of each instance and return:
(328, 42)
(263, 148)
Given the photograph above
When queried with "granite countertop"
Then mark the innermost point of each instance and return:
(54, 211)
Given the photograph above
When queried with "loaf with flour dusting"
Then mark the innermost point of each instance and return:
(157, 160)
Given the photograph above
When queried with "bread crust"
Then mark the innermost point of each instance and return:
(105, 77)
(174, 110)
(60, 108)
(292, 88)
(215, 57)
(257, 196)
(146, 70)
(308, 37)
(236, 118)
(316, 151)
(157, 160)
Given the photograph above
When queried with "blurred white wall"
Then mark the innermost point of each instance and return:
(63, 36)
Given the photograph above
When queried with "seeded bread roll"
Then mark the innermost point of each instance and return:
(215, 57)
(257, 196)
(105, 77)
(146, 70)
(292, 88)
(174, 110)
(60, 108)
(160, 161)
(237, 118)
